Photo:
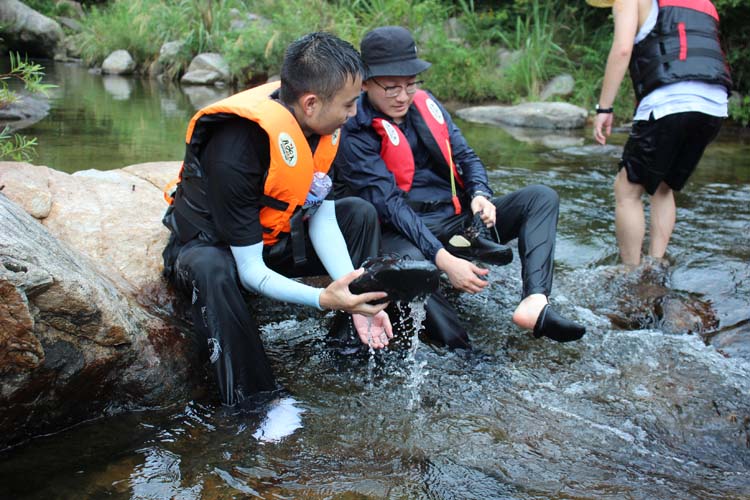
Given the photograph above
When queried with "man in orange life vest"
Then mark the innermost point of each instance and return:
(253, 207)
(403, 153)
(682, 81)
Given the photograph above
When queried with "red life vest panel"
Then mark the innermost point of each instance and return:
(292, 162)
(395, 149)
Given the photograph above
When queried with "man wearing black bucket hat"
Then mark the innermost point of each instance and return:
(403, 153)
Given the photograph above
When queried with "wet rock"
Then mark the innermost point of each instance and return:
(680, 314)
(27, 31)
(642, 298)
(112, 217)
(73, 339)
(24, 112)
(546, 115)
(206, 69)
(20, 350)
(119, 62)
(733, 340)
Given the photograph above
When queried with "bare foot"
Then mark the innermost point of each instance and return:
(528, 310)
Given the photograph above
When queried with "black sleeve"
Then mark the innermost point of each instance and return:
(236, 160)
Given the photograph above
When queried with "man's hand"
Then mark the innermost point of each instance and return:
(337, 296)
(462, 274)
(375, 331)
(485, 208)
(602, 127)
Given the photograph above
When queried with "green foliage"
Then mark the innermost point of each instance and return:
(545, 39)
(16, 146)
(735, 31)
(142, 26)
(539, 55)
(739, 110)
(46, 7)
(256, 50)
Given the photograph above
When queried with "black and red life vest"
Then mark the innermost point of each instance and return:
(684, 45)
(431, 127)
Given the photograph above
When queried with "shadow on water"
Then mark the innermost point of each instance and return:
(625, 413)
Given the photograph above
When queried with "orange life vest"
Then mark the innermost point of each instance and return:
(397, 153)
(292, 165)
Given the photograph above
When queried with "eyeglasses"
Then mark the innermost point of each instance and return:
(395, 90)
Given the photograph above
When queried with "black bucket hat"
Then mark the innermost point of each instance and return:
(390, 51)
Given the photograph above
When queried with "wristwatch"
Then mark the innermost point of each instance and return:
(481, 193)
(604, 110)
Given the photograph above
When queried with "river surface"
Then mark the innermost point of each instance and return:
(632, 413)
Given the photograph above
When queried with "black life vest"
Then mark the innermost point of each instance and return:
(684, 45)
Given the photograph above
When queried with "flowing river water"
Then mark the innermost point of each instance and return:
(628, 412)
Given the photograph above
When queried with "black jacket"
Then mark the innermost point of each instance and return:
(361, 169)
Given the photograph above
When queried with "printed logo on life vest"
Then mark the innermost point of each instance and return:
(391, 131)
(435, 111)
(335, 136)
(288, 149)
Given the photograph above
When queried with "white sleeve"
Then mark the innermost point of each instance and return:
(328, 241)
(256, 276)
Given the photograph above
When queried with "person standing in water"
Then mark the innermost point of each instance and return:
(681, 81)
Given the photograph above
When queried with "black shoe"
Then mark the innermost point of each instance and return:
(476, 243)
(551, 324)
(402, 279)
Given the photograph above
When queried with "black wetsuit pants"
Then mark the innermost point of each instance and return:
(207, 274)
(529, 214)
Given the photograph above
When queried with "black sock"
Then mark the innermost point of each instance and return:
(551, 324)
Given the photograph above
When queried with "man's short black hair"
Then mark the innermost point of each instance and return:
(320, 63)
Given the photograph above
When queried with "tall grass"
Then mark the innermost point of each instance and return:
(548, 39)
(142, 26)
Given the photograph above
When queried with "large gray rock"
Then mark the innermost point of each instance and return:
(206, 69)
(27, 31)
(549, 115)
(119, 62)
(73, 339)
(112, 217)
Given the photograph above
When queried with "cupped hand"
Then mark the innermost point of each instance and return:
(337, 296)
(462, 274)
(373, 331)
